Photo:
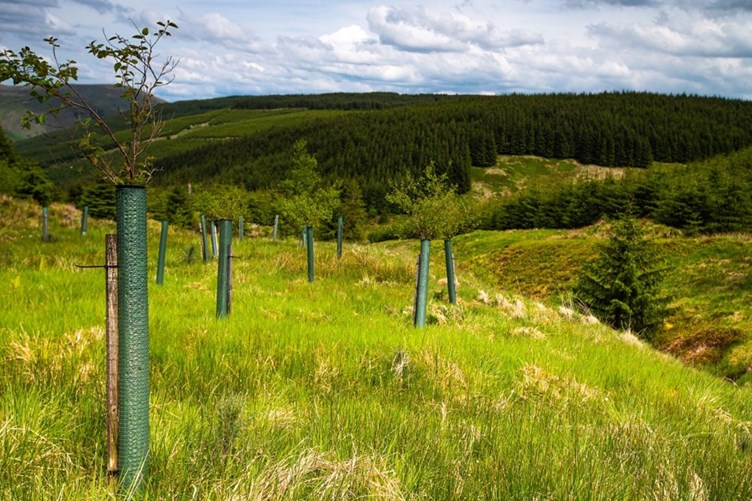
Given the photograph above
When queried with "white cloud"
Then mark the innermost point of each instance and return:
(423, 30)
(478, 46)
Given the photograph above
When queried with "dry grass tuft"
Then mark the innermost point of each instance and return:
(322, 476)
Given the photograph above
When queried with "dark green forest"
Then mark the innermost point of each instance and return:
(708, 196)
(380, 137)
(401, 134)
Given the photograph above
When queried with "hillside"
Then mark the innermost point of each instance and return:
(373, 138)
(15, 101)
(325, 389)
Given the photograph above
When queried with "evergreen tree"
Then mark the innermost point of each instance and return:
(100, 198)
(621, 286)
(34, 183)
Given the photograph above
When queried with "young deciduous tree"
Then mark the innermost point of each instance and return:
(137, 73)
(433, 207)
(621, 286)
(307, 202)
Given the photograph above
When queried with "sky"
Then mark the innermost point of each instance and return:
(250, 47)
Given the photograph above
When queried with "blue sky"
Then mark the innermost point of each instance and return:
(232, 47)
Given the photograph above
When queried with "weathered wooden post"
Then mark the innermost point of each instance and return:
(339, 236)
(451, 284)
(85, 220)
(223, 277)
(162, 251)
(276, 224)
(421, 295)
(241, 228)
(111, 335)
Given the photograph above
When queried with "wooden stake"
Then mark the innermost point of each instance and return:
(112, 355)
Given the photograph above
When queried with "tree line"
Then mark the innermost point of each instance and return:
(701, 197)
(455, 132)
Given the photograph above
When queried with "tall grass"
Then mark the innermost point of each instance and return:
(325, 390)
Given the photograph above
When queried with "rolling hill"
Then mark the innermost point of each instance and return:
(15, 101)
(324, 389)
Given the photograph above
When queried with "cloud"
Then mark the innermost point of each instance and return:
(101, 6)
(214, 28)
(31, 19)
(699, 38)
(421, 30)
(610, 3)
(722, 7)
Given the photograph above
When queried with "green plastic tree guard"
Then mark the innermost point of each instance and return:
(309, 248)
(45, 231)
(276, 224)
(421, 297)
(133, 337)
(241, 228)
(85, 220)
(204, 242)
(223, 276)
(213, 228)
(339, 236)
(451, 286)
(162, 251)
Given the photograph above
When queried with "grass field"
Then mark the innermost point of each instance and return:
(324, 390)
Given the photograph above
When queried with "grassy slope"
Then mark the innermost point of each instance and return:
(708, 277)
(324, 390)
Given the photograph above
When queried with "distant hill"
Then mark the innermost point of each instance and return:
(15, 101)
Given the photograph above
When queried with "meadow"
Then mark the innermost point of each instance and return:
(325, 390)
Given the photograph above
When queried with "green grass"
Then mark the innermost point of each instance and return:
(512, 173)
(708, 279)
(324, 390)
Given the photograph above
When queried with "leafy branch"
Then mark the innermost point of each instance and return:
(137, 73)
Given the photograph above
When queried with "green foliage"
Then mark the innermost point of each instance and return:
(307, 201)
(137, 74)
(433, 207)
(99, 196)
(352, 208)
(218, 201)
(34, 183)
(7, 152)
(621, 286)
(10, 177)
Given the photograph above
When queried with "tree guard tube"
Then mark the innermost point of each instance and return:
(223, 276)
(133, 337)
(162, 251)
(339, 236)
(421, 297)
(204, 243)
(85, 220)
(213, 228)
(309, 249)
(451, 284)
(45, 232)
